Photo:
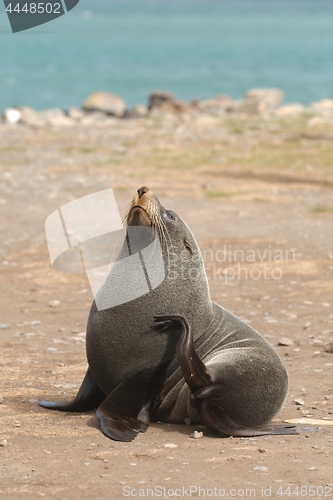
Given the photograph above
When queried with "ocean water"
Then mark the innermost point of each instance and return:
(193, 48)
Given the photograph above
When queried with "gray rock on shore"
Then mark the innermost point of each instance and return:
(158, 98)
(55, 117)
(262, 101)
(110, 104)
(322, 108)
(218, 105)
(290, 110)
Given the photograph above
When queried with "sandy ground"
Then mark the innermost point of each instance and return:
(65, 456)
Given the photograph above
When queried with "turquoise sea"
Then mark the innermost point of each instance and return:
(194, 48)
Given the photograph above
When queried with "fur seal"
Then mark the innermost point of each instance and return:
(172, 353)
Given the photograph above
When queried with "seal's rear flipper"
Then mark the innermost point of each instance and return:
(89, 397)
(214, 416)
(126, 411)
(207, 393)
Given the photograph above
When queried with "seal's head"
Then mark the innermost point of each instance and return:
(174, 235)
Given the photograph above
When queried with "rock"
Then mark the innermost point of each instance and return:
(262, 101)
(139, 111)
(157, 98)
(187, 421)
(285, 341)
(196, 435)
(3, 443)
(299, 401)
(322, 108)
(291, 110)
(1, 400)
(30, 117)
(261, 468)
(170, 445)
(54, 303)
(329, 347)
(218, 105)
(4, 326)
(110, 104)
(55, 117)
(11, 115)
(75, 113)
(319, 121)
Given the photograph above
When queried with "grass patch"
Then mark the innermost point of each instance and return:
(223, 194)
(321, 209)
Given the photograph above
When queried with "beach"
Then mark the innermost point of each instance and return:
(249, 180)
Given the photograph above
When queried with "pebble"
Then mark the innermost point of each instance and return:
(3, 326)
(262, 468)
(187, 421)
(196, 435)
(313, 467)
(1, 400)
(285, 341)
(299, 401)
(54, 303)
(170, 445)
(261, 450)
(317, 342)
(329, 347)
(3, 443)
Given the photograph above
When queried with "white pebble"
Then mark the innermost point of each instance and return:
(285, 341)
(196, 435)
(54, 303)
(170, 445)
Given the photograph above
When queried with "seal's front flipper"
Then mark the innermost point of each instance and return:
(89, 397)
(126, 411)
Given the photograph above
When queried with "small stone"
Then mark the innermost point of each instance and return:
(299, 401)
(196, 435)
(313, 467)
(187, 421)
(1, 400)
(54, 303)
(3, 443)
(170, 445)
(329, 347)
(261, 450)
(3, 326)
(317, 342)
(285, 341)
(261, 468)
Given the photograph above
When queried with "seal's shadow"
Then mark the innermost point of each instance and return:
(166, 428)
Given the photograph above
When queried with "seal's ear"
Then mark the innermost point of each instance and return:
(187, 252)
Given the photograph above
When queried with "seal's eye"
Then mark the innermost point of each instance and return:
(170, 216)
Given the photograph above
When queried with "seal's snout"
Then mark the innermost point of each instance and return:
(142, 190)
(142, 207)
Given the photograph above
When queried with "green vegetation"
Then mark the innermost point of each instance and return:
(321, 209)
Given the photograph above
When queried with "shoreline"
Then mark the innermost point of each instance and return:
(105, 108)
